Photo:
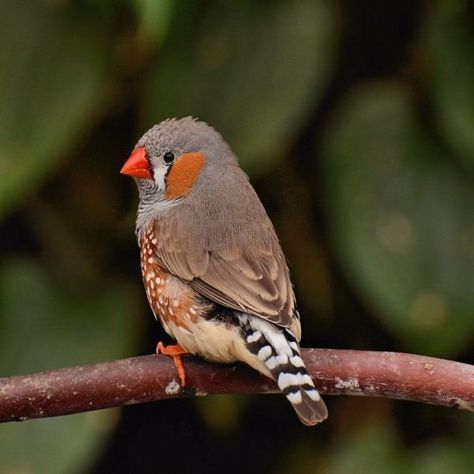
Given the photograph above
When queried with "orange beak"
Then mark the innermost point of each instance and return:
(137, 165)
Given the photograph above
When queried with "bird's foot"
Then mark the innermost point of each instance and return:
(175, 352)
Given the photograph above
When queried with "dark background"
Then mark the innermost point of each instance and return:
(355, 123)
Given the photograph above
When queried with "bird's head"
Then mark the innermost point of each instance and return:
(174, 159)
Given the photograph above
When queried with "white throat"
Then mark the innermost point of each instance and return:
(159, 175)
(153, 203)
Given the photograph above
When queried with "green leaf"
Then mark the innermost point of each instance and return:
(154, 18)
(55, 445)
(376, 447)
(53, 60)
(447, 45)
(369, 449)
(401, 217)
(444, 456)
(43, 326)
(254, 72)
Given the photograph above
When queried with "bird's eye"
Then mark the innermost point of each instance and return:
(168, 157)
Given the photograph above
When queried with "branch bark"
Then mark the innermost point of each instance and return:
(152, 378)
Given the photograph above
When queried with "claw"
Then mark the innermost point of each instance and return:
(175, 352)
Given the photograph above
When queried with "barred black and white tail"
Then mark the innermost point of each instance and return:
(279, 351)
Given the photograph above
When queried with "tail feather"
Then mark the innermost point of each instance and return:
(280, 354)
(294, 381)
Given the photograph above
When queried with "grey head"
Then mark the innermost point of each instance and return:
(182, 156)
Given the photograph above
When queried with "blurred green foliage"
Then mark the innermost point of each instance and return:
(405, 208)
(52, 83)
(355, 124)
(446, 45)
(209, 65)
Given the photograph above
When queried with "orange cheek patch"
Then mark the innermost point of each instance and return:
(183, 174)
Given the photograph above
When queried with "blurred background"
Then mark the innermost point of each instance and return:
(355, 122)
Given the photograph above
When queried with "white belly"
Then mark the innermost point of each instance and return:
(218, 342)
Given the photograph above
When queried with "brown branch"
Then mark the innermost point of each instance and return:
(151, 378)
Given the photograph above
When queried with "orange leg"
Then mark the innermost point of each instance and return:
(175, 352)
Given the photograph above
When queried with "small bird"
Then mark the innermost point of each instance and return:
(212, 266)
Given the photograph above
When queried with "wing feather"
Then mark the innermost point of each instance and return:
(238, 264)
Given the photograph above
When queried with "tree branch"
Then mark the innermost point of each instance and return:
(151, 378)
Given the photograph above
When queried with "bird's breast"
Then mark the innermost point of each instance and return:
(172, 301)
